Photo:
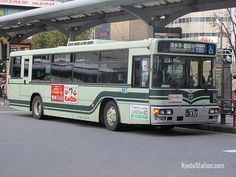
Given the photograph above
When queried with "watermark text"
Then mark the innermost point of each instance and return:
(199, 165)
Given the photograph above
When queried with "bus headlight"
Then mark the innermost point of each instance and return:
(169, 112)
(213, 111)
(163, 111)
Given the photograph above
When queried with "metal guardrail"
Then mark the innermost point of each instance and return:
(231, 105)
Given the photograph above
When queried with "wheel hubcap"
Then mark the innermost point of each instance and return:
(111, 116)
(37, 107)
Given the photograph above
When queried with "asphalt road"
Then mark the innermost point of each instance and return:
(68, 148)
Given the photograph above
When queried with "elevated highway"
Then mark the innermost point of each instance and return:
(72, 18)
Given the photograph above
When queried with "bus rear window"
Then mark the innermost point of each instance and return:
(15, 67)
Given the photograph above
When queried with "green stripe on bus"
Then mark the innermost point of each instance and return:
(185, 94)
(19, 105)
(19, 102)
(164, 98)
(67, 110)
(125, 97)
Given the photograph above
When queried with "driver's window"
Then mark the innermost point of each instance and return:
(169, 72)
(194, 74)
(207, 73)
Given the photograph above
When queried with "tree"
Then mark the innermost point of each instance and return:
(48, 40)
(3, 40)
(84, 36)
(228, 32)
(54, 39)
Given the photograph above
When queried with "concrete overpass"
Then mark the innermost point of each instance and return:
(72, 18)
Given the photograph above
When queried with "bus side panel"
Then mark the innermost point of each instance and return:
(15, 98)
(71, 115)
(91, 97)
(134, 107)
(131, 108)
(134, 113)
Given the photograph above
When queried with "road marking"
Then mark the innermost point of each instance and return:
(208, 131)
(230, 151)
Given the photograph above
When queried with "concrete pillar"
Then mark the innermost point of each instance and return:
(151, 31)
(71, 36)
(1, 45)
(8, 50)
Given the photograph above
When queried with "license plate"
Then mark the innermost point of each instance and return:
(191, 113)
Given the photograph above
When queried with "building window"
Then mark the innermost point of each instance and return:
(208, 19)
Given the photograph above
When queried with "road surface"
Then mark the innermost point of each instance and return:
(69, 148)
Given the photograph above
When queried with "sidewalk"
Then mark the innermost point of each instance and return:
(4, 102)
(218, 127)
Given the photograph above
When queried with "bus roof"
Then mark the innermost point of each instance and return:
(94, 45)
(105, 45)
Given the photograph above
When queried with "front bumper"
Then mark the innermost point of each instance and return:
(178, 116)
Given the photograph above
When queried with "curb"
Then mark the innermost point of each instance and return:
(215, 128)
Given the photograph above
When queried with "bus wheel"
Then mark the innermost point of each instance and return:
(37, 107)
(111, 116)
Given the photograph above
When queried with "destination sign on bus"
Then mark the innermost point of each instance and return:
(186, 47)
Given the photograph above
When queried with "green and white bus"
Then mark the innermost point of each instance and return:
(160, 82)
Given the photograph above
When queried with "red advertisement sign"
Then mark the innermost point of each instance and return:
(57, 93)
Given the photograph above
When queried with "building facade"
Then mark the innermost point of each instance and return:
(205, 26)
(195, 26)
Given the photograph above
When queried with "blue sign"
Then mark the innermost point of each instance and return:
(211, 49)
(187, 47)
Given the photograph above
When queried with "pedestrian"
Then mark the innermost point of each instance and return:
(234, 87)
(1, 91)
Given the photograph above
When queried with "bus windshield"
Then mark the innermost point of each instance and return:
(182, 72)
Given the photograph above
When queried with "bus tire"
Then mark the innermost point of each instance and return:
(37, 107)
(111, 116)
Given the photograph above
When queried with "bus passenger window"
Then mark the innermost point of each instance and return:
(62, 58)
(113, 66)
(140, 72)
(41, 69)
(16, 67)
(61, 69)
(26, 68)
(85, 67)
(61, 72)
(85, 73)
